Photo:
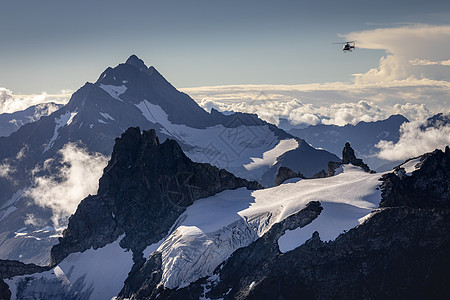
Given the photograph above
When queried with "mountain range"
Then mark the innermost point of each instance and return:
(363, 137)
(129, 95)
(198, 205)
(146, 236)
(11, 122)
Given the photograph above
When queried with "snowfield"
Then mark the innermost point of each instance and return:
(93, 274)
(210, 230)
(213, 228)
(114, 90)
(246, 151)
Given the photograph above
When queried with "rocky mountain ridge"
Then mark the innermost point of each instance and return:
(400, 251)
(145, 187)
(128, 95)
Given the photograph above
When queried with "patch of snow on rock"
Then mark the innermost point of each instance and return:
(114, 90)
(270, 157)
(107, 116)
(63, 120)
(411, 165)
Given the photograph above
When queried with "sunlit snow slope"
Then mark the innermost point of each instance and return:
(93, 274)
(212, 228)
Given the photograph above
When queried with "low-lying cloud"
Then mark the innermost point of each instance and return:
(341, 114)
(77, 178)
(10, 103)
(412, 78)
(415, 140)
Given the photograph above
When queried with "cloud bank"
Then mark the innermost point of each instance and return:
(297, 112)
(76, 179)
(412, 78)
(415, 140)
(10, 103)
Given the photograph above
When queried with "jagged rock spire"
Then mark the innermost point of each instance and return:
(348, 157)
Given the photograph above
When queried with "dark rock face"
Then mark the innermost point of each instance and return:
(285, 174)
(145, 187)
(348, 157)
(321, 174)
(400, 252)
(11, 268)
(348, 154)
(427, 187)
(370, 261)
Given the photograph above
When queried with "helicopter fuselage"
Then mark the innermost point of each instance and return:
(348, 47)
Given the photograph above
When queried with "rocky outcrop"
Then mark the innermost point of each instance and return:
(372, 261)
(348, 157)
(285, 173)
(11, 268)
(401, 251)
(145, 187)
(427, 187)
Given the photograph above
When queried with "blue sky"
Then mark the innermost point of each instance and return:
(54, 45)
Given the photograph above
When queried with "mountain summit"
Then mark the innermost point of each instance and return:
(137, 62)
(130, 95)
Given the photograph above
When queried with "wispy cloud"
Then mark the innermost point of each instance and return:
(10, 103)
(6, 170)
(76, 178)
(414, 141)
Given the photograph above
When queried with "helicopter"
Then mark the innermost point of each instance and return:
(348, 46)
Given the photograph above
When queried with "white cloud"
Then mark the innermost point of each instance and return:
(298, 112)
(415, 141)
(31, 219)
(6, 170)
(413, 76)
(390, 97)
(76, 179)
(417, 51)
(10, 103)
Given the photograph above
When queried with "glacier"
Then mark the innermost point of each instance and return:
(211, 229)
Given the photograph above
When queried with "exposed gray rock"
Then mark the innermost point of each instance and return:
(285, 173)
(400, 252)
(11, 268)
(427, 187)
(348, 157)
(145, 187)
